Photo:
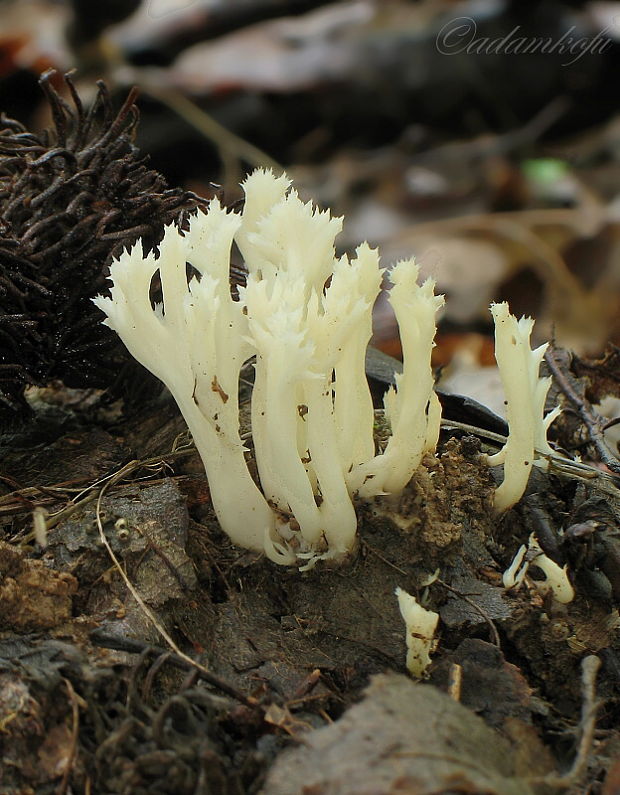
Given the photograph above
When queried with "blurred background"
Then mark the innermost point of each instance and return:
(483, 137)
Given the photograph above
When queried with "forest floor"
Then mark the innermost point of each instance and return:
(300, 684)
(140, 652)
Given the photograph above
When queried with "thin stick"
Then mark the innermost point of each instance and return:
(455, 679)
(87, 494)
(132, 646)
(589, 707)
(493, 629)
(229, 145)
(75, 727)
(592, 420)
(559, 463)
(206, 674)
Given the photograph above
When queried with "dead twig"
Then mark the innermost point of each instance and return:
(177, 660)
(455, 680)
(558, 464)
(492, 628)
(589, 707)
(249, 701)
(18, 502)
(75, 729)
(385, 560)
(231, 148)
(591, 419)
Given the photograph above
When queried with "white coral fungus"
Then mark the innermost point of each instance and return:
(421, 625)
(556, 579)
(525, 404)
(306, 315)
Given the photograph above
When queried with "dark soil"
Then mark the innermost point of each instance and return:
(93, 701)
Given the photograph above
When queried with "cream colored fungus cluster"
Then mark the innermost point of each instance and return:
(305, 314)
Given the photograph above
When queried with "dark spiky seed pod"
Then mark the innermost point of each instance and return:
(71, 199)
